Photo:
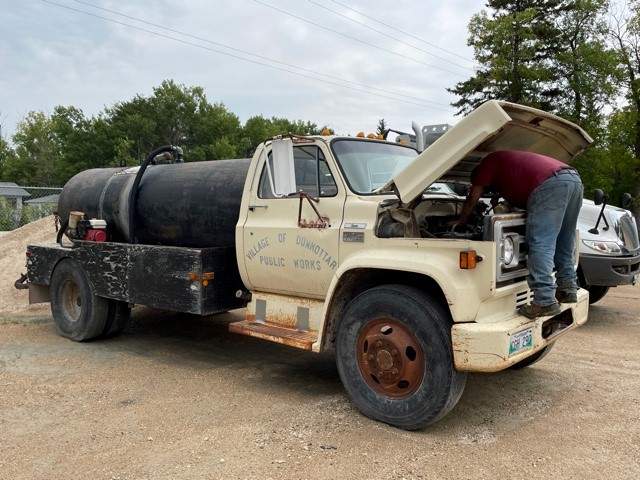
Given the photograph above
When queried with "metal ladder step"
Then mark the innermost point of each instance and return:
(275, 333)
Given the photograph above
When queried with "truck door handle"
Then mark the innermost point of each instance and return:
(253, 207)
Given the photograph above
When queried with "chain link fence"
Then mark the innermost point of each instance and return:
(22, 205)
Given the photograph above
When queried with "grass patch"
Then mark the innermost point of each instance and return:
(17, 320)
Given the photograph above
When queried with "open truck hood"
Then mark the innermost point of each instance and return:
(493, 126)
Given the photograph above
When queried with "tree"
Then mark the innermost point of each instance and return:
(586, 67)
(257, 129)
(37, 152)
(50, 149)
(512, 47)
(173, 115)
(625, 34)
(6, 155)
(382, 127)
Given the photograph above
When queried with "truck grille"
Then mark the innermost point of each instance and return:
(523, 298)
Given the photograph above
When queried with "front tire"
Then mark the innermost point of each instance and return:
(395, 359)
(536, 357)
(77, 312)
(596, 292)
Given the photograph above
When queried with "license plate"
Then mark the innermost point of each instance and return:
(520, 341)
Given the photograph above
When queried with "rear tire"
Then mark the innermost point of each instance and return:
(77, 312)
(117, 318)
(395, 359)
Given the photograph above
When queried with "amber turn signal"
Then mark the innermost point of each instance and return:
(468, 260)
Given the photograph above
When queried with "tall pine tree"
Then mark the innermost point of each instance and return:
(513, 42)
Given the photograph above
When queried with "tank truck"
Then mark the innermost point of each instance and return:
(331, 243)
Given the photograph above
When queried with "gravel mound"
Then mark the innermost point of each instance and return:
(13, 246)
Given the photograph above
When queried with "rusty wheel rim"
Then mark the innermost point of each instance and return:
(71, 301)
(390, 358)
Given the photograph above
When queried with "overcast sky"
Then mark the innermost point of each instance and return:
(394, 63)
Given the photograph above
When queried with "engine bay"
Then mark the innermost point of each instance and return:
(429, 218)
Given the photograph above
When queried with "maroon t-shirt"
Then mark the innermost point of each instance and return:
(515, 174)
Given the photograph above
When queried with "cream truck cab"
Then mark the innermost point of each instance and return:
(340, 242)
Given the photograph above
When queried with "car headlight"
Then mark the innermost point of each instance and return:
(606, 248)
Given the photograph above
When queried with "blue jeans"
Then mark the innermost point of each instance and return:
(552, 215)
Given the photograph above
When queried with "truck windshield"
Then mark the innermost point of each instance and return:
(368, 165)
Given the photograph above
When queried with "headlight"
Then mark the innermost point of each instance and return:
(510, 250)
(606, 248)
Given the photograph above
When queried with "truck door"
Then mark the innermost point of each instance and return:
(281, 253)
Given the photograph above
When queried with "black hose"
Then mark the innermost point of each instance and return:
(63, 228)
(133, 196)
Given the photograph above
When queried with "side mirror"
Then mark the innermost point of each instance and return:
(283, 175)
(627, 201)
(598, 196)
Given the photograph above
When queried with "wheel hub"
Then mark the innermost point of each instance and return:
(71, 301)
(390, 358)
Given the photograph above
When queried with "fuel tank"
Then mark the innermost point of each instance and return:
(183, 204)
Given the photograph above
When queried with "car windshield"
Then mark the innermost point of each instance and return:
(368, 165)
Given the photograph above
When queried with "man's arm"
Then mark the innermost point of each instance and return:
(469, 204)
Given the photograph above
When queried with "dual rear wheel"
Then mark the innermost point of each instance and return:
(79, 314)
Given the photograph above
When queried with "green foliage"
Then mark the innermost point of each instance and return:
(31, 213)
(512, 44)
(257, 129)
(548, 54)
(6, 154)
(382, 127)
(8, 220)
(49, 149)
(573, 58)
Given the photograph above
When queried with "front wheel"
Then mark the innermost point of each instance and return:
(596, 292)
(536, 357)
(395, 359)
(77, 312)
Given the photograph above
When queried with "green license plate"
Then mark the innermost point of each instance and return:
(520, 341)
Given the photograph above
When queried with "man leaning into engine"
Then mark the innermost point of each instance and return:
(551, 193)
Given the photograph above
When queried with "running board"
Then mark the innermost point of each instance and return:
(274, 333)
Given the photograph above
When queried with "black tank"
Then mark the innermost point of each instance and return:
(182, 204)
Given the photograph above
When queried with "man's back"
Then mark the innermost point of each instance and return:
(515, 174)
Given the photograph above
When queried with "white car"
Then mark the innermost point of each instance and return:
(609, 248)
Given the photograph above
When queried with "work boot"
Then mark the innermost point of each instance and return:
(535, 311)
(566, 297)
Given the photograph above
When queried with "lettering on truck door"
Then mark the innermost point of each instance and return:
(282, 256)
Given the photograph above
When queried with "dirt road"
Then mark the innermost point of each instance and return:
(180, 397)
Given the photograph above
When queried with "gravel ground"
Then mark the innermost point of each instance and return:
(179, 397)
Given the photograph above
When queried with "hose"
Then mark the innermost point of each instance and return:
(133, 196)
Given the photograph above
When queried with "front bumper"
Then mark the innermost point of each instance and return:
(606, 271)
(484, 347)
